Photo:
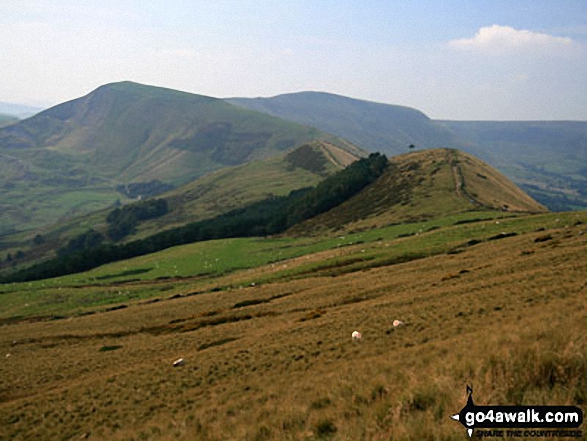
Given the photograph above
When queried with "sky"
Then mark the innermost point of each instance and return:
(460, 60)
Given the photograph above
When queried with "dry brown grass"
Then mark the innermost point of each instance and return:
(276, 361)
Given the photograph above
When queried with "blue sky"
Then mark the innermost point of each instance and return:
(493, 59)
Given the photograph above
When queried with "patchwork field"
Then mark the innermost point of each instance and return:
(267, 350)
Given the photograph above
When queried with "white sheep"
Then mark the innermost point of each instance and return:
(356, 336)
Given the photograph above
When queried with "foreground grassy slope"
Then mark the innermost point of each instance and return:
(425, 185)
(275, 360)
(122, 133)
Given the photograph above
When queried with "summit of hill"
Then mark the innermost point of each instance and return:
(545, 158)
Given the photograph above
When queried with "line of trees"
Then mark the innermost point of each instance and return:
(267, 217)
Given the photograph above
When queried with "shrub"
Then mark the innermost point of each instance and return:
(325, 429)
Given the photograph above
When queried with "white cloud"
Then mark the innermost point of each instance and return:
(498, 38)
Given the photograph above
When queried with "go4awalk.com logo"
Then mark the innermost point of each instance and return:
(520, 421)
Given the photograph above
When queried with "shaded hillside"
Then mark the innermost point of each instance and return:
(235, 187)
(71, 158)
(425, 185)
(378, 127)
(128, 130)
(548, 159)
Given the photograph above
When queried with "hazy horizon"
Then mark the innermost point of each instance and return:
(491, 60)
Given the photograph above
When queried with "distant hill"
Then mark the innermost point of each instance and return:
(548, 159)
(373, 126)
(421, 186)
(20, 111)
(71, 158)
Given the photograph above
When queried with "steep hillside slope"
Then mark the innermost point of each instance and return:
(375, 127)
(70, 158)
(128, 130)
(425, 185)
(548, 159)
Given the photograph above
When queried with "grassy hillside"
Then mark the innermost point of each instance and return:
(425, 185)
(416, 187)
(128, 130)
(373, 126)
(496, 304)
(203, 198)
(545, 158)
(123, 133)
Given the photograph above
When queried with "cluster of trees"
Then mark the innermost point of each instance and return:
(270, 216)
(85, 241)
(17, 256)
(123, 221)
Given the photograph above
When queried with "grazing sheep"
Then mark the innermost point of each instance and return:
(356, 335)
(178, 362)
(397, 323)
